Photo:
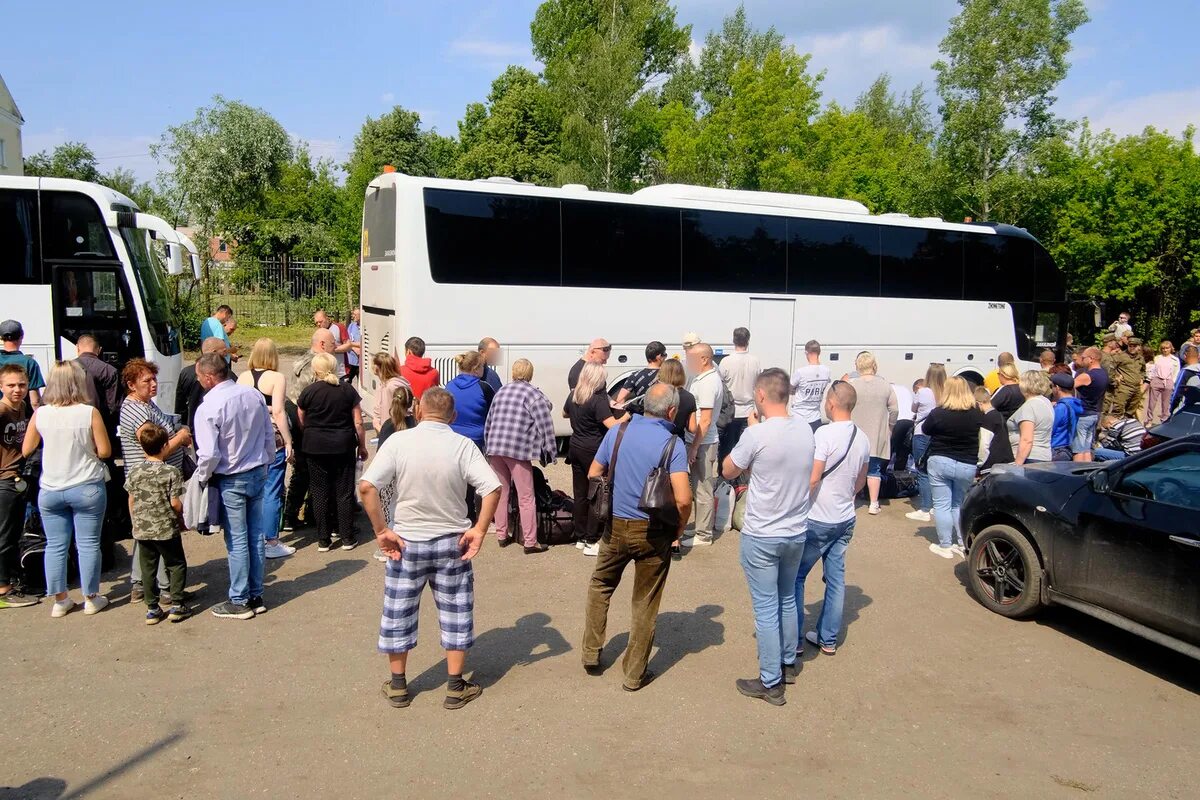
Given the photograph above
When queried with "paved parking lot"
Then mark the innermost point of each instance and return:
(930, 695)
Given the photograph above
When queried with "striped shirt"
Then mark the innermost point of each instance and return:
(518, 424)
(135, 414)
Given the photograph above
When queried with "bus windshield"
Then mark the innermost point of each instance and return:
(154, 292)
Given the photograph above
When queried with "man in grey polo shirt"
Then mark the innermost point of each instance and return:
(431, 467)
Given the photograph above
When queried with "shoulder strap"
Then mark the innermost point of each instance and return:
(838, 463)
(612, 465)
(664, 461)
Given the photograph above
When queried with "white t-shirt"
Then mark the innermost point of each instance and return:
(337, 342)
(904, 399)
(431, 467)
(709, 391)
(925, 402)
(779, 454)
(1040, 412)
(834, 499)
(738, 372)
(808, 389)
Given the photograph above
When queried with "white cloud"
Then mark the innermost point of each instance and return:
(1170, 110)
(387, 98)
(853, 59)
(129, 152)
(491, 52)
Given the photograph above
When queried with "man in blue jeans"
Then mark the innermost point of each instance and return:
(839, 472)
(777, 450)
(234, 444)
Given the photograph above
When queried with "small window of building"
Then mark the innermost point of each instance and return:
(221, 246)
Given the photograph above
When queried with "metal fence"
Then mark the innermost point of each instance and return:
(282, 291)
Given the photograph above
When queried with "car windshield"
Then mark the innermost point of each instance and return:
(150, 274)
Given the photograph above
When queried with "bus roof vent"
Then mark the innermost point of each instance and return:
(574, 187)
(676, 192)
(503, 179)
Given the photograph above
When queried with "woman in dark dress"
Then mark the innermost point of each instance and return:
(333, 434)
(590, 410)
(671, 372)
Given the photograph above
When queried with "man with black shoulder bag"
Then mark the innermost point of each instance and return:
(641, 467)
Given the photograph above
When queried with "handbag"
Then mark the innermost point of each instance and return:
(658, 498)
(187, 466)
(599, 494)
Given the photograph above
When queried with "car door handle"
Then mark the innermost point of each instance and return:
(1186, 540)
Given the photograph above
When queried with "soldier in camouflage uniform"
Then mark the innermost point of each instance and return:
(156, 508)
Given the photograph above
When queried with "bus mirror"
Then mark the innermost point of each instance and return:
(195, 259)
(174, 259)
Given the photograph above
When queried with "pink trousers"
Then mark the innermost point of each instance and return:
(509, 471)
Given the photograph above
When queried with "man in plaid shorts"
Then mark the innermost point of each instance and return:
(431, 467)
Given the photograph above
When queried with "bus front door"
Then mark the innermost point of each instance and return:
(92, 298)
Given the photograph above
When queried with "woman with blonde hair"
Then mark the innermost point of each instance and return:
(519, 431)
(264, 375)
(332, 420)
(924, 401)
(385, 369)
(1031, 428)
(472, 399)
(672, 373)
(590, 410)
(1161, 371)
(72, 498)
(953, 429)
(875, 413)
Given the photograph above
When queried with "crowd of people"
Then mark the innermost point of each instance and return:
(456, 459)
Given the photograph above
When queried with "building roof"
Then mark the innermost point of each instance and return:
(8, 104)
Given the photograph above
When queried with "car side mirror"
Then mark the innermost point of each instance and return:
(1100, 481)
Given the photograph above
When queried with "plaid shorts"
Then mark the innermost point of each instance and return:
(439, 563)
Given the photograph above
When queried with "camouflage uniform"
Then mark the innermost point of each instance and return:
(151, 486)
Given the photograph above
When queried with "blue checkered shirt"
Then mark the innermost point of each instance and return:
(518, 424)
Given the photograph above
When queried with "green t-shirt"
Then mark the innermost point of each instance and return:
(152, 485)
(30, 364)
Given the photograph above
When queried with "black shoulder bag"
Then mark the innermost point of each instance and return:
(658, 498)
(599, 494)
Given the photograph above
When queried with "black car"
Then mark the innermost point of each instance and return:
(1184, 422)
(1119, 540)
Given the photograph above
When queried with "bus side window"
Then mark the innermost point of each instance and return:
(20, 245)
(73, 228)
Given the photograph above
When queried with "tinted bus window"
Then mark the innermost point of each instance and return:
(379, 225)
(921, 263)
(1048, 281)
(491, 238)
(833, 258)
(20, 250)
(999, 267)
(72, 227)
(617, 246)
(725, 252)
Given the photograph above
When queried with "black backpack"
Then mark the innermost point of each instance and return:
(725, 415)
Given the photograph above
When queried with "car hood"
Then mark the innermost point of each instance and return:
(1185, 422)
(1048, 472)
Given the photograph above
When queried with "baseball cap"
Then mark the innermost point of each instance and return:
(11, 329)
(691, 338)
(1062, 380)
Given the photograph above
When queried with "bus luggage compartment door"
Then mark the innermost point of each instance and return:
(771, 326)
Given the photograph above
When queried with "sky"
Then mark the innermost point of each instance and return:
(118, 75)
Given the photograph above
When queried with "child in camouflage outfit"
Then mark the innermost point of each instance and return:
(155, 490)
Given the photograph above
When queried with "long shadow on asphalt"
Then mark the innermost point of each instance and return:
(1143, 654)
(855, 601)
(677, 634)
(499, 650)
(278, 593)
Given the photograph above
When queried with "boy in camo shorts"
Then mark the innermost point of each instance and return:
(155, 505)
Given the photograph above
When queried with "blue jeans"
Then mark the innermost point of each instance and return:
(826, 541)
(771, 566)
(272, 506)
(924, 496)
(1108, 454)
(242, 518)
(948, 483)
(79, 512)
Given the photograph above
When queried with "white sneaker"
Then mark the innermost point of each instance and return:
(873, 508)
(592, 549)
(278, 550)
(379, 556)
(701, 541)
(919, 516)
(938, 550)
(959, 550)
(580, 544)
(94, 605)
(62, 607)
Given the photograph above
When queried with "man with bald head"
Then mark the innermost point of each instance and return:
(189, 393)
(708, 389)
(597, 353)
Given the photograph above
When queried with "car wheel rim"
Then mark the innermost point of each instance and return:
(1001, 571)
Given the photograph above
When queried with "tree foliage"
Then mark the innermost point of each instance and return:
(516, 133)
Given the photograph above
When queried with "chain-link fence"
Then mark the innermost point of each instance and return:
(282, 291)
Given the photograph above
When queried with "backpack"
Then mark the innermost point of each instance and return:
(725, 416)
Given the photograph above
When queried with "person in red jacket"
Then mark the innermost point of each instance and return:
(417, 369)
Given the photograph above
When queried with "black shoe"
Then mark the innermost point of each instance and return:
(458, 699)
(790, 672)
(15, 598)
(647, 677)
(537, 548)
(229, 610)
(595, 670)
(507, 541)
(324, 547)
(752, 687)
(257, 605)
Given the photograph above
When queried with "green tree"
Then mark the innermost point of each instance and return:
(68, 160)
(516, 134)
(1131, 229)
(1003, 59)
(223, 161)
(600, 56)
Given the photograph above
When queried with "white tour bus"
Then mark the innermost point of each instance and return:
(544, 271)
(77, 257)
